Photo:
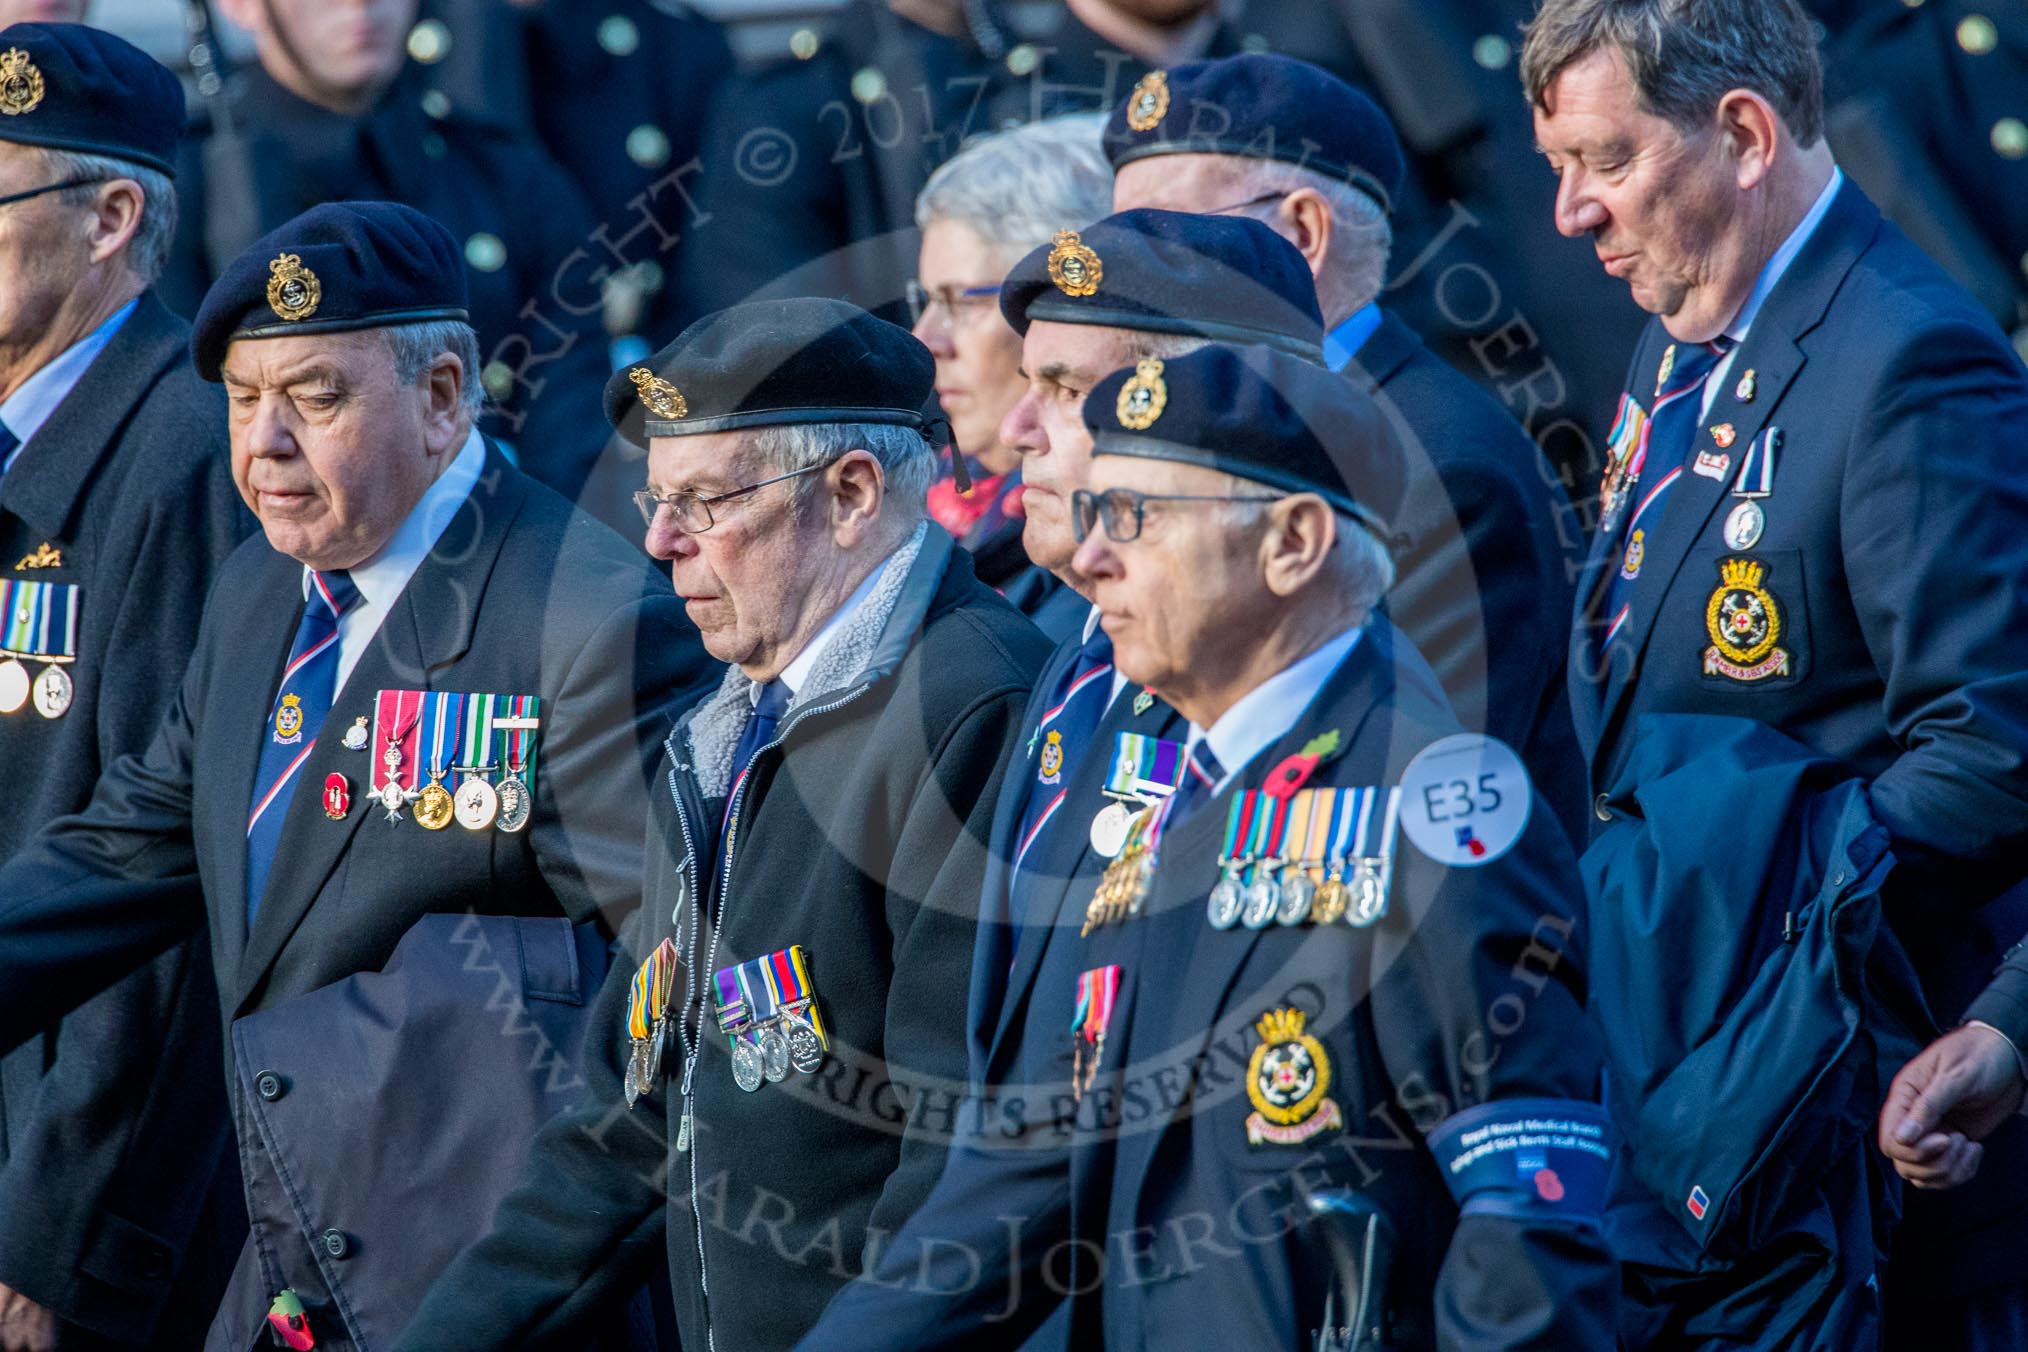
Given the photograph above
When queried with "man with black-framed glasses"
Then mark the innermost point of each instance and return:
(116, 510)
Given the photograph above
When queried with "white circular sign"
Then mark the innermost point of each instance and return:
(1465, 800)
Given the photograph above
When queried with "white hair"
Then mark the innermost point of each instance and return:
(1017, 188)
(1361, 235)
(148, 250)
(907, 461)
(1364, 567)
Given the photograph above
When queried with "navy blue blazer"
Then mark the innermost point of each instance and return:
(125, 493)
(522, 594)
(1895, 544)
(1153, 1167)
(1485, 569)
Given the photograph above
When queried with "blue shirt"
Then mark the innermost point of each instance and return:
(1342, 344)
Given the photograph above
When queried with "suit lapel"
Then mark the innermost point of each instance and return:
(1773, 351)
(1073, 861)
(1195, 1010)
(413, 644)
(48, 483)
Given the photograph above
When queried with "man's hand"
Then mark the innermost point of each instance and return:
(24, 1325)
(1943, 1103)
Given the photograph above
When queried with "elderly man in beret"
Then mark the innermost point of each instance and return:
(116, 509)
(1284, 142)
(1330, 1013)
(408, 757)
(785, 1098)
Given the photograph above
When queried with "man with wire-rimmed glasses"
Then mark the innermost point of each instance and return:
(784, 1046)
(116, 508)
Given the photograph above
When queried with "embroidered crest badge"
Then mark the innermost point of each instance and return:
(1744, 622)
(1288, 1081)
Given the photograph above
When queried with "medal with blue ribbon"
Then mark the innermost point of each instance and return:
(1228, 894)
(1263, 893)
(1144, 770)
(1363, 826)
(442, 723)
(38, 623)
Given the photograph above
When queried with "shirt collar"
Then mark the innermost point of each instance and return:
(1771, 272)
(1342, 344)
(28, 408)
(798, 671)
(381, 579)
(1272, 707)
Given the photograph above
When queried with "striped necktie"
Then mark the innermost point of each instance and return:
(309, 683)
(1198, 782)
(1668, 439)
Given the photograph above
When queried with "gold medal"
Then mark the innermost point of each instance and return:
(433, 807)
(1332, 898)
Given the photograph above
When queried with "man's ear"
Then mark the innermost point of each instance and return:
(1752, 130)
(116, 217)
(858, 488)
(1306, 222)
(1302, 532)
(443, 393)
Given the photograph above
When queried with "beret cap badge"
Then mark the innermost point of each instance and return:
(1149, 103)
(1143, 397)
(20, 83)
(293, 290)
(662, 398)
(1074, 268)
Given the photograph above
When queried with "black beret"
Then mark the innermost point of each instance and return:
(69, 86)
(769, 363)
(1224, 278)
(1263, 107)
(1263, 416)
(336, 267)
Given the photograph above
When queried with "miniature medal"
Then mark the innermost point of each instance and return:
(514, 803)
(774, 1052)
(747, 1072)
(476, 805)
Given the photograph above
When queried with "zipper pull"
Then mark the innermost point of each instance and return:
(683, 1134)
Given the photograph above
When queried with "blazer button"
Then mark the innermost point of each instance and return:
(337, 1243)
(270, 1086)
(1600, 810)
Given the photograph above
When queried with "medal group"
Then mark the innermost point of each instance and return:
(38, 623)
(468, 758)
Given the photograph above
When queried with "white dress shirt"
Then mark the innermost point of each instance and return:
(381, 579)
(1271, 708)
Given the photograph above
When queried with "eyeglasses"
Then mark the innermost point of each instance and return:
(1122, 509)
(692, 511)
(48, 187)
(1249, 202)
(951, 299)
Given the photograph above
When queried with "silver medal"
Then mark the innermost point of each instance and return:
(774, 1051)
(476, 805)
(1369, 897)
(393, 799)
(53, 691)
(746, 1064)
(1228, 898)
(1263, 899)
(514, 804)
(806, 1049)
(1109, 829)
(1744, 526)
(14, 685)
(1298, 891)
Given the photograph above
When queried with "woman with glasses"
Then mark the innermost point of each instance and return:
(980, 213)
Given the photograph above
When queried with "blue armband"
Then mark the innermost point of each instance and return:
(1526, 1158)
